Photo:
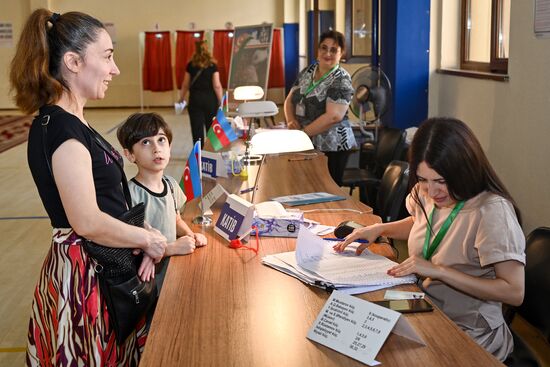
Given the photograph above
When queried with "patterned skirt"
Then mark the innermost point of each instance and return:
(69, 323)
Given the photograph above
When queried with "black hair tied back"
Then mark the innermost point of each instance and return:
(54, 18)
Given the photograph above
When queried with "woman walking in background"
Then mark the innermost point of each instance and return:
(202, 81)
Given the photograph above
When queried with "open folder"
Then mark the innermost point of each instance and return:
(315, 262)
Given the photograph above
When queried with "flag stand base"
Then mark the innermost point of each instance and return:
(202, 220)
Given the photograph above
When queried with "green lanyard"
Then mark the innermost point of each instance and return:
(315, 84)
(428, 250)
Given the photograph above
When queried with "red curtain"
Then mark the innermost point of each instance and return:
(157, 63)
(222, 52)
(185, 48)
(276, 67)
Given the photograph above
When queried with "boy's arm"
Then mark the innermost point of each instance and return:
(182, 229)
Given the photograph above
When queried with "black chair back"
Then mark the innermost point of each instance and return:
(536, 304)
(392, 191)
(389, 147)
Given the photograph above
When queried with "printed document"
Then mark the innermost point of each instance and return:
(315, 262)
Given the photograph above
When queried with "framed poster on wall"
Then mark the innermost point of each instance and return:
(250, 56)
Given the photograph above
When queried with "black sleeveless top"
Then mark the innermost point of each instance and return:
(107, 177)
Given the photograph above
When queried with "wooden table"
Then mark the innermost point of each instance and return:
(222, 307)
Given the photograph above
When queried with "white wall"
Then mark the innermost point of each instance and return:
(511, 119)
(132, 16)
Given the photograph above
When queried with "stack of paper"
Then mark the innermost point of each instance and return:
(315, 262)
(310, 198)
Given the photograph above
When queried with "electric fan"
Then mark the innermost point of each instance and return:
(371, 98)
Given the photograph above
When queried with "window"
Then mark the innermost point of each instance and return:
(485, 35)
(359, 27)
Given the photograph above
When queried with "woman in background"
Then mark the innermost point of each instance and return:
(318, 104)
(464, 237)
(202, 81)
(61, 61)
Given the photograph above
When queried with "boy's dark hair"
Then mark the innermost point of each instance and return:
(139, 126)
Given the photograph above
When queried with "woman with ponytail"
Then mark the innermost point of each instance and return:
(61, 61)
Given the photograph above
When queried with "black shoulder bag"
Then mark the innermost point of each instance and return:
(128, 298)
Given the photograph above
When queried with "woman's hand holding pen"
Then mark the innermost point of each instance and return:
(370, 233)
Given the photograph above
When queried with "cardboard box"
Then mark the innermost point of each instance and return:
(280, 226)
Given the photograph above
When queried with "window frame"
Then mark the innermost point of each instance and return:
(495, 64)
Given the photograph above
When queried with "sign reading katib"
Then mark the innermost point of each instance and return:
(235, 218)
(213, 165)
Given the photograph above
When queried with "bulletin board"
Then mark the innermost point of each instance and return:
(250, 56)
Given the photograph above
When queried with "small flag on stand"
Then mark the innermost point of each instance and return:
(221, 133)
(225, 103)
(191, 182)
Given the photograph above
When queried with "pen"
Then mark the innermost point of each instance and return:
(244, 191)
(299, 159)
(341, 240)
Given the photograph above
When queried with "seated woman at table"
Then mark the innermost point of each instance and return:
(464, 238)
(318, 104)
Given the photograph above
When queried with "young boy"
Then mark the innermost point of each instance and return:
(146, 138)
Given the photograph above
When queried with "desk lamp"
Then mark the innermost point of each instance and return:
(253, 110)
(248, 93)
(276, 141)
(280, 141)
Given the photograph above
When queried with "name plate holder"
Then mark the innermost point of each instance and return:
(358, 328)
(213, 165)
(235, 218)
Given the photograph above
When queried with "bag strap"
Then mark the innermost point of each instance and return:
(44, 123)
(195, 78)
(164, 178)
(102, 145)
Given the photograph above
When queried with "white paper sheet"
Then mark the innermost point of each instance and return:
(313, 254)
(315, 262)
(358, 328)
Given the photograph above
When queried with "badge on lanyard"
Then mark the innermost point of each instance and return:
(300, 109)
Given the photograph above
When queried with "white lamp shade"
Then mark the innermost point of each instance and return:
(257, 109)
(248, 92)
(280, 141)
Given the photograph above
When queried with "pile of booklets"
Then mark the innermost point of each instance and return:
(315, 263)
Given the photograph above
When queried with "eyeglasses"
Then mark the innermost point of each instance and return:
(325, 49)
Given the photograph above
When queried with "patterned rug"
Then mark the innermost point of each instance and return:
(14, 130)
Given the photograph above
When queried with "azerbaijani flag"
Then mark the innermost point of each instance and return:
(221, 133)
(225, 103)
(191, 180)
